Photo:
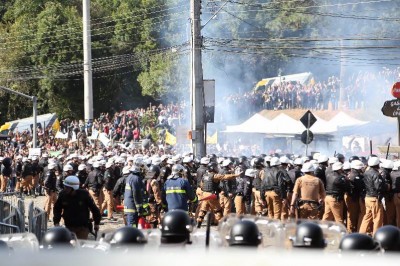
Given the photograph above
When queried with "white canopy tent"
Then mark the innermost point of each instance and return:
(344, 120)
(255, 124)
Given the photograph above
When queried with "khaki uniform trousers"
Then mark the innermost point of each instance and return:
(353, 213)
(373, 215)
(361, 202)
(258, 204)
(26, 183)
(35, 180)
(333, 210)
(226, 203)
(51, 198)
(81, 232)
(390, 212)
(3, 181)
(239, 205)
(108, 203)
(210, 204)
(308, 211)
(286, 208)
(274, 204)
(199, 194)
(396, 200)
(96, 198)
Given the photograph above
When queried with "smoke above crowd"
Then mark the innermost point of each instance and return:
(354, 41)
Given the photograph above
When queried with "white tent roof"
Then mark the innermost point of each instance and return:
(255, 124)
(344, 120)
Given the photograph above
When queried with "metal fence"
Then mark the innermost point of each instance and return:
(12, 213)
(37, 221)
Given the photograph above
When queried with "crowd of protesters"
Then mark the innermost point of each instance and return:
(320, 95)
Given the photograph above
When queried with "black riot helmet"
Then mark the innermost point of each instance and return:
(242, 159)
(212, 167)
(308, 235)
(127, 236)
(57, 237)
(153, 172)
(244, 233)
(259, 162)
(388, 237)
(176, 226)
(357, 241)
(354, 157)
(213, 157)
(340, 157)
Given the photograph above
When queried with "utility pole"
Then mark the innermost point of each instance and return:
(87, 63)
(197, 101)
(34, 101)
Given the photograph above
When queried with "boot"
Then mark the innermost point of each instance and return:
(199, 224)
(33, 194)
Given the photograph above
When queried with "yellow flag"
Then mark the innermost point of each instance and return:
(170, 139)
(56, 125)
(213, 139)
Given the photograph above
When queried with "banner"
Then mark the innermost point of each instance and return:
(56, 125)
(95, 134)
(35, 152)
(60, 135)
(55, 153)
(103, 138)
(169, 138)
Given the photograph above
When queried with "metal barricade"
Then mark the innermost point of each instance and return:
(37, 221)
(12, 212)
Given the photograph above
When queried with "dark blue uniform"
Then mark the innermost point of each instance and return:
(133, 198)
(177, 193)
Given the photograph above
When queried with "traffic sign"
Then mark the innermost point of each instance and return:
(391, 108)
(308, 119)
(305, 139)
(396, 90)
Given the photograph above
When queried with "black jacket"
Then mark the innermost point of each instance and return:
(75, 209)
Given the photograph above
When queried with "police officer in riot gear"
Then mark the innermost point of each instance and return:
(73, 205)
(210, 191)
(244, 233)
(273, 189)
(94, 183)
(395, 176)
(259, 167)
(243, 190)
(354, 197)
(308, 235)
(390, 212)
(82, 174)
(375, 187)
(320, 170)
(227, 187)
(335, 189)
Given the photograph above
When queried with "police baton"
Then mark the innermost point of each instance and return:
(211, 197)
(208, 229)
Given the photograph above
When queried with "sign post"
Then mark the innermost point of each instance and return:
(308, 120)
(392, 108)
